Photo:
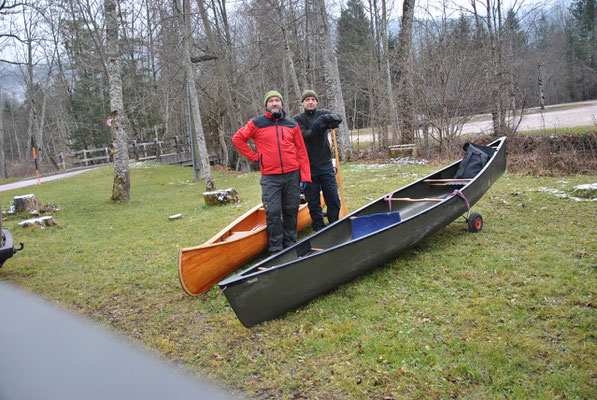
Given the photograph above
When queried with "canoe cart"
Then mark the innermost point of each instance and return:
(366, 238)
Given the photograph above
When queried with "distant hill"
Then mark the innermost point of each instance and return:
(11, 82)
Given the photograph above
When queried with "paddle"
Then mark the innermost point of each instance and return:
(343, 210)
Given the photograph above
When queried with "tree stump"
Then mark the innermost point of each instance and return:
(42, 222)
(27, 203)
(218, 197)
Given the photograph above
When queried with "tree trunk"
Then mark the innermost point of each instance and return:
(541, 94)
(332, 76)
(196, 112)
(2, 158)
(289, 58)
(122, 183)
(393, 111)
(406, 80)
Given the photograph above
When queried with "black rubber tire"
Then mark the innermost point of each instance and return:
(475, 222)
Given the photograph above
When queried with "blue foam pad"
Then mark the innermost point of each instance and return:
(367, 224)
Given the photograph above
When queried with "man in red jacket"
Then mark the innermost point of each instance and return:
(283, 162)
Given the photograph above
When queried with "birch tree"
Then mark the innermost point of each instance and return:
(122, 183)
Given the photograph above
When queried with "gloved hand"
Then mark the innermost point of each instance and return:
(303, 186)
(319, 125)
(333, 120)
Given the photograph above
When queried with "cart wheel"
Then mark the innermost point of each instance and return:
(475, 222)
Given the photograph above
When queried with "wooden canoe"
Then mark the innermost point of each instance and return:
(344, 250)
(201, 267)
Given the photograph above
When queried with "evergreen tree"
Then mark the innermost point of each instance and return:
(352, 50)
(582, 55)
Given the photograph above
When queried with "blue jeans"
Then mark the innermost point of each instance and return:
(323, 178)
(280, 194)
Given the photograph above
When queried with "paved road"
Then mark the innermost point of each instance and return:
(554, 117)
(33, 181)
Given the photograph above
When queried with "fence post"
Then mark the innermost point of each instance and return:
(61, 155)
(135, 150)
(158, 147)
(107, 154)
(85, 157)
(177, 144)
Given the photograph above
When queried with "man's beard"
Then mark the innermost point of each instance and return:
(277, 114)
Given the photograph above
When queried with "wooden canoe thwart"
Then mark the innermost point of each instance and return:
(374, 234)
(414, 200)
(201, 267)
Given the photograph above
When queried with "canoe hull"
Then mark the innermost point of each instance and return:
(298, 274)
(201, 267)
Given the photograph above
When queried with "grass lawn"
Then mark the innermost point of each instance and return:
(509, 312)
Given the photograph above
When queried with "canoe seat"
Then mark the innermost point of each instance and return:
(366, 224)
(447, 182)
(237, 234)
(257, 227)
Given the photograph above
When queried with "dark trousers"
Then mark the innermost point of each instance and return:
(323, 177)
(280, 194)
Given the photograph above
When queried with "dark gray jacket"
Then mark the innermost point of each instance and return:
(318, 146)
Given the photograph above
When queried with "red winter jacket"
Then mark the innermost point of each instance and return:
(279, 143)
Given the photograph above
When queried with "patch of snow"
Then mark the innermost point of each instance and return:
(408, 161)
(561, 194)
(588, 186)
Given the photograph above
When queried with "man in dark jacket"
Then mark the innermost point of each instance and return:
(314, 126)
(283, 162)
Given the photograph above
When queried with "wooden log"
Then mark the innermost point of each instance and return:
(42, 222)
(219, 197)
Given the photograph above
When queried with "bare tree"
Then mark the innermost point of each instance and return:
(201, 150)
(122, 182)
(2, 157)
(405, 76)
(332, 77)
(223, 82)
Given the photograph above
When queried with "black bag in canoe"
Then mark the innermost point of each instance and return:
(475, 159)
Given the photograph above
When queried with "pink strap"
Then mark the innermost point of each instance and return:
(459, 194)
(388, 198)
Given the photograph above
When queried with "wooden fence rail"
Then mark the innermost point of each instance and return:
(138, 151)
